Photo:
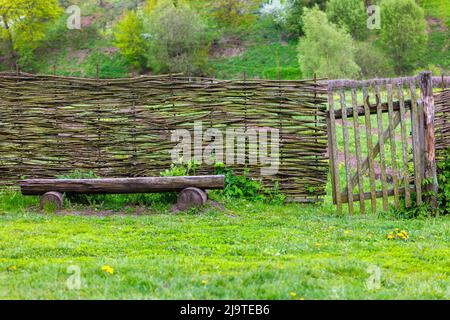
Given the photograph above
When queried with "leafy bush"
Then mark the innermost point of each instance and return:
(372, 61)
(444, 184)
(177, 40)
(424, 210)
(179, 170)
(403, 33)
(234, 15)
(326, 49)
(244, 187)
(128, 38)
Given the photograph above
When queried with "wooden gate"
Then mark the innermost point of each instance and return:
(381, 142)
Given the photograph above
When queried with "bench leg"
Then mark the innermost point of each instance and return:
(52, 198)
(191, 198)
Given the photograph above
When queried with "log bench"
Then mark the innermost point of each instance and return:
(192, 189)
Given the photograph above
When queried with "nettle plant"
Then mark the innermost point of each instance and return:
(444, 184)
(443, 197)
(244, 187)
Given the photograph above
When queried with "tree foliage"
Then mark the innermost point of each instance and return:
(234, 14)
(129, 39)
(23, 22)
(372, 61)
(177, 40)
(403, 33)
(326, 49)
(349, 14)
(294, 16)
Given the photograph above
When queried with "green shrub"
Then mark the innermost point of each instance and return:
(372, 61)
(234, 15)
(177, 40)
(128, 38)
(179, 170)
(326, 49)
(424, 210)
(244, 187)
(444, 184)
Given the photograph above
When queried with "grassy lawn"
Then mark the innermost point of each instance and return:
(247, 251)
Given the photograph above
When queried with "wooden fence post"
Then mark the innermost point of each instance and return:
(426, 95)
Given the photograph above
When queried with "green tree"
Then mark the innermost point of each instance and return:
(177, 40)
(294, 16)
(23, 23)
(234, 14)
(403, 34)
(349, 14)
(129, 39)
(326, 49)
(372, 61)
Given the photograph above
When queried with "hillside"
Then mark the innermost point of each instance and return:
(260, 52)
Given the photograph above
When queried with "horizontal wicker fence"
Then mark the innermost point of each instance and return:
(442, 123)
(50, 126)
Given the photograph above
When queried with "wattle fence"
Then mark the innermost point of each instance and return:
(51, 125)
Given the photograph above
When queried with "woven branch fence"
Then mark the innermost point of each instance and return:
(442, 123)
(51, 125)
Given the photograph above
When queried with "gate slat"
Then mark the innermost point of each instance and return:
(346, 152)
(416, 143)
(362, 205)
(405, 173)
(333, 153)
(393, 143)
(370, 158)
(381, 143)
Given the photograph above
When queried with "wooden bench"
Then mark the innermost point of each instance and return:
(192, 189)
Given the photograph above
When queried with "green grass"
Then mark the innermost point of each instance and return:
(263, 61)
(437, 53)
(437, 8)
(248, 251)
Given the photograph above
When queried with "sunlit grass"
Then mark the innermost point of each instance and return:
(248, 251)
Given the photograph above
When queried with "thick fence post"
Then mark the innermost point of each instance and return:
(426, 95)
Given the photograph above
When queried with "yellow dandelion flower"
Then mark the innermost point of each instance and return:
(390, 236)
(292, 294)
(302, 298)
(204, 281)
(12, 268)
(108, 270)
